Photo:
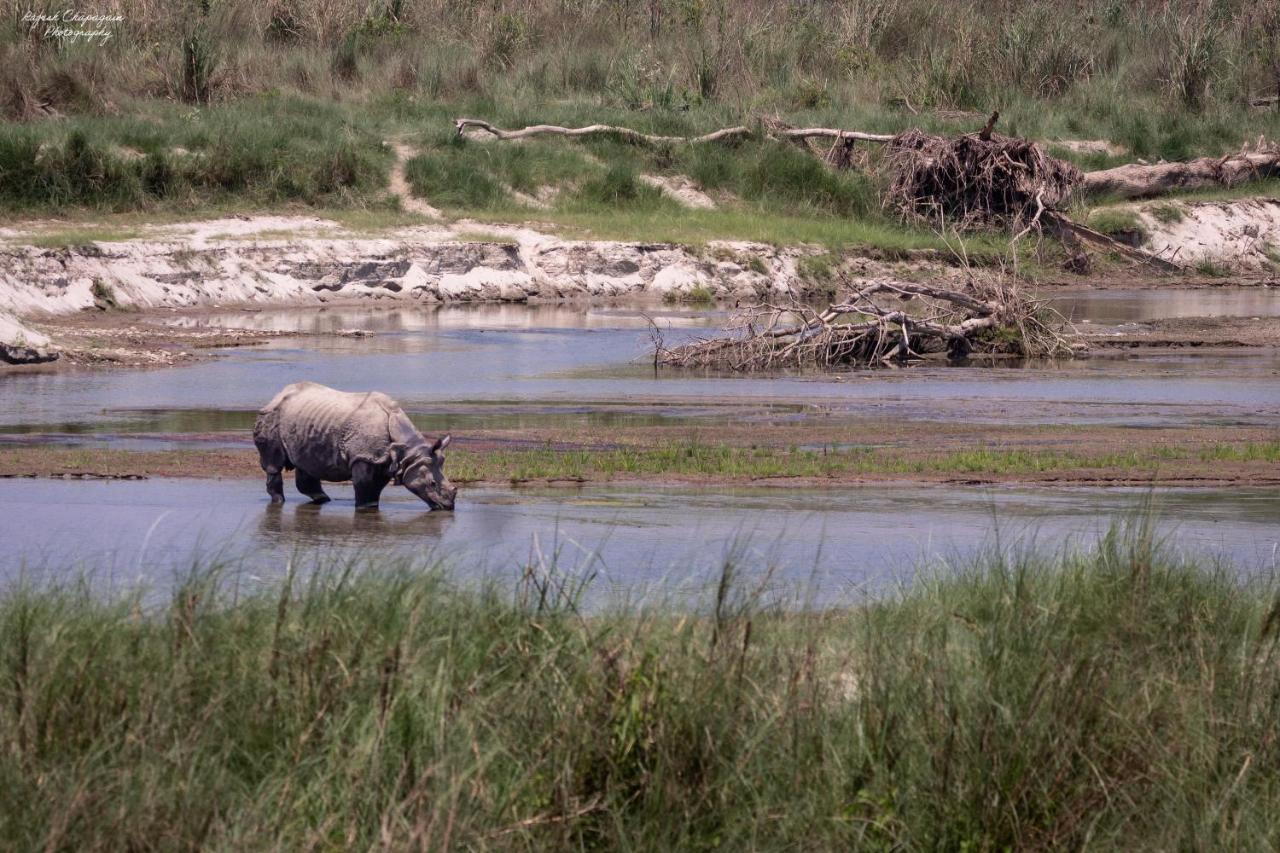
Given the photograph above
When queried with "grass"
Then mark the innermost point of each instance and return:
(1211, 268)
(483, 237)
(1122, 223)
(69, 237)
(1114, 698)
(679, 459)
(699, 294)
(1169, 213)
(236, 106)
(696, 459)
(262, 151)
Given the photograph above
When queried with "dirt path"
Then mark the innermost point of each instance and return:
(400, 184)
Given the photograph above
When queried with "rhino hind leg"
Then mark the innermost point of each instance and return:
(310, 486)
(369, 481)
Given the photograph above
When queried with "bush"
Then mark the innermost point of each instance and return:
(620, 187)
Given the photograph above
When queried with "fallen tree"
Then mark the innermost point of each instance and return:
(727, 134)
(635, 136)
(880, 322)
(1140, 180)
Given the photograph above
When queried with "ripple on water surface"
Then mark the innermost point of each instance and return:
(830, 543)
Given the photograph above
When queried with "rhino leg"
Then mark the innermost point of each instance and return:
(369, 480)
(310, 486)
(274, 460)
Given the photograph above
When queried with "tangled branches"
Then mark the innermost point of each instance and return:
(970, 181)
(880, 322)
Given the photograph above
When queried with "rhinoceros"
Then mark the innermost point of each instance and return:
(325, 434)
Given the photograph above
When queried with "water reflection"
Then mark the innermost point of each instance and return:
(309, 524)
(425, 318)
(570, 361)
(1112, 307)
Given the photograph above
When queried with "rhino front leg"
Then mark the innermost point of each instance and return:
(273, 460)
(275, 486)
(369, 480)
(310, 486)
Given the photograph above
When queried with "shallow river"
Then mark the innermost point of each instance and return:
(470, 367)
(831, 543)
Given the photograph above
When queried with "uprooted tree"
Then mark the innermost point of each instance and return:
(881, 322)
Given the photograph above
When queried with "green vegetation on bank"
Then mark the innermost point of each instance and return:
(208, 104)
(1119, 699)
(267, 152)
(724, 461)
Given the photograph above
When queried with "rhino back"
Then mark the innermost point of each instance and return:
(324, 430)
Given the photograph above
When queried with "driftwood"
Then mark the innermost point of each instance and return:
(1137, 180)
(977, 179)
(1073, 235)
(727, 134)
(879, 322)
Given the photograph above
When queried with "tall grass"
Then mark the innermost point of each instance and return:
(666, 54)
(265, 151)
(1118, 698)
(306, 92)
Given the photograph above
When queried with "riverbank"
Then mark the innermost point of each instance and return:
(388, 706)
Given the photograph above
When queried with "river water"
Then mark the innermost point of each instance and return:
(476, 366)
(827, 543)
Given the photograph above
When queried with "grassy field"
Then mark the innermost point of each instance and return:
(210, 105)
(1120, 698)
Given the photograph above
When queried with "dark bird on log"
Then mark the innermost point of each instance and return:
(985, 133)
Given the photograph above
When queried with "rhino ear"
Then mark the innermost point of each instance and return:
(441, 443)
(401, 430)
(395, 455)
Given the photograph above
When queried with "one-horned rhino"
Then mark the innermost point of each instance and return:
(325, 434)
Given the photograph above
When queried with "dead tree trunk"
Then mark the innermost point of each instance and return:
(727, 134)
(1136, 180)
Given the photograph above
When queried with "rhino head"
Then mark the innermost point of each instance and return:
(421, 471)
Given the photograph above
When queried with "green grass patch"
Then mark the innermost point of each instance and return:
(1117, 697)
(483, 237)
(697, 295)
(261, 152)
(695, 459)
(72, 236)
(1120, 223)
(1169, 213)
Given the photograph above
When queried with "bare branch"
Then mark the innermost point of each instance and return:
(862, 329)
(627, 133)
